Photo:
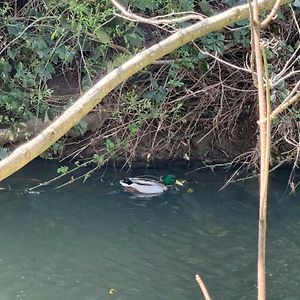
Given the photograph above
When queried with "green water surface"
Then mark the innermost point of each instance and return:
(78, 242)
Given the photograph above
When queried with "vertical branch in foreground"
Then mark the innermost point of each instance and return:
(264, 130)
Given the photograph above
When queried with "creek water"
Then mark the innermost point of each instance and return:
(91, 240)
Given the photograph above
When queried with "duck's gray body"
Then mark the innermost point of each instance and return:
(142, 185)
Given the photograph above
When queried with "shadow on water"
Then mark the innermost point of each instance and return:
(81, 241)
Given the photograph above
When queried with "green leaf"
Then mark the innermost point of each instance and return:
(214, 42)
(134, 40)
(28, 115)
(57, 147)
(5, 68)
(98, 159)
(64, 54)
(12, 53)
(62, 170)
(187, 5)
(103, 37)
(153, 82)
(290, 49)
(38, 43)
(173, 83)
(86, 82)
(49, 70)
(133, 128)
(281, 16)
(61, 52)
(206, 7)
(82, 126)
(117, 61)
(205, 152)
(144, 4)
(15, 29)
(45, 71)
(80, 129)
(43, 54)
(54, 34)
(158, 96)
(242, 22)
(110, 145)
(242, 36)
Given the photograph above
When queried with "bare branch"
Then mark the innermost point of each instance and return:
(270, 17)
(221, 60)
(283, 106)
(154, 21)
(295, 89)
(252, 56)
(295, 19)
(202, 287)
(287, 66)
(293, 73)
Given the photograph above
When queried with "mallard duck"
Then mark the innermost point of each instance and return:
(149, 186)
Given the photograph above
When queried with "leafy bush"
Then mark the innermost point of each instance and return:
(166, 106)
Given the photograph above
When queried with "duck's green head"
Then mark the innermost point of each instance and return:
(169, 180)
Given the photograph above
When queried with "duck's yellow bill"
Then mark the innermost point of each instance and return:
(180, 182)
(111, 291)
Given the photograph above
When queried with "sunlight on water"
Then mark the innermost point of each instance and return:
(93, 241)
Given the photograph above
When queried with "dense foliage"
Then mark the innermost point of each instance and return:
(197, 103)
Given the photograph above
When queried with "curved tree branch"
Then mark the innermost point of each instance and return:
(284, 106)
(271, 16)
(154, 21)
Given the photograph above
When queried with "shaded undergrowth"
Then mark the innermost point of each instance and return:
(199, 103)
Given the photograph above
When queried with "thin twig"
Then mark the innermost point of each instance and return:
(202, 287)
(294, 90)
(154, 21)
(57, 177)
(268, 129)
(279, 109)
(293, 73)
(287, 66)
(295, 19)
(221, 60)
(252, 57)
(270, 17)
(283, 106)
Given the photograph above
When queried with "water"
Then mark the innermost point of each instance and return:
(81, 241)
